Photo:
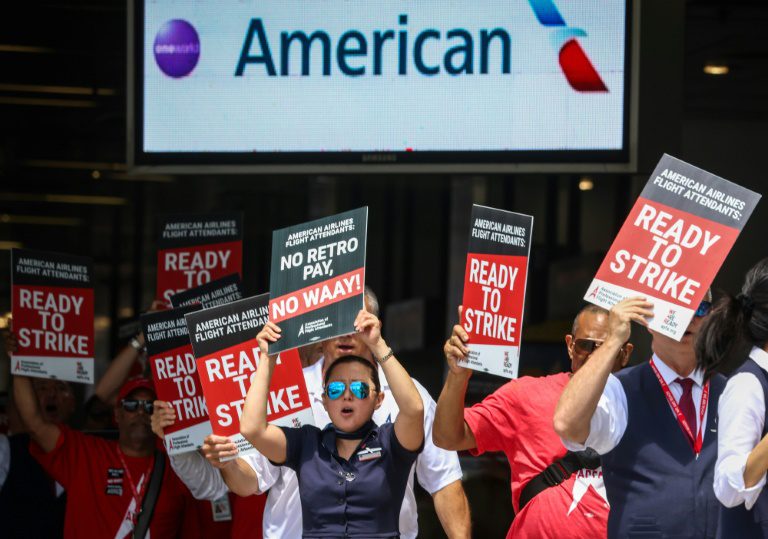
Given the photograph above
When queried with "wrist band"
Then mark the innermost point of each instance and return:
(386, 357)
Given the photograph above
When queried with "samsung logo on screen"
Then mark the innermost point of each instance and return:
(385, 51)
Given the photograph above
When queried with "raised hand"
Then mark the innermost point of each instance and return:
(163, 416)
(368, 326)
(216, 448)
(455, 349)
(10, 342)
(621, 316)
(269, 333)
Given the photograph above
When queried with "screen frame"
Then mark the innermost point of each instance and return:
(595, 161)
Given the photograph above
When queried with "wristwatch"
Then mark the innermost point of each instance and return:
(137, 345)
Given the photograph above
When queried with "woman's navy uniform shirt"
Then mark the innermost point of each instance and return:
(359, 497)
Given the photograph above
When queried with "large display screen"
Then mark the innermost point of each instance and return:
(341, 81)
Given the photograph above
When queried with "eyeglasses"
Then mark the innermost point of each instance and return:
(588, 346)
(359, 389)
(703, 309)
(132, 405)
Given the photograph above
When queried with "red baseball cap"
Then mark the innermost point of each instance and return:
(133, 384)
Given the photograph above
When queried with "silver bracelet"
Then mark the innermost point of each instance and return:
(386, 357)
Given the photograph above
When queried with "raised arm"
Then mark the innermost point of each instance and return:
(409, 425)
(239, 477)
(580, 398)
(450, 431)
(206, 476)
(268, 439)
(117, 373)
(44, 433)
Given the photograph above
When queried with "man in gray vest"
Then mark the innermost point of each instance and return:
(655, 427)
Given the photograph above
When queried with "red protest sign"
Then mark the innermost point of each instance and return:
(494, 289)
(174, 372)
(53, 309)
(672, 244)
(227, 354)
(196, 249)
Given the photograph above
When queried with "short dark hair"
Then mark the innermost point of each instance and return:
(354, 359)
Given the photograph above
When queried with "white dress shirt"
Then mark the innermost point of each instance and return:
(435, 468)
(742, 419)
(203, 480)
(609, 422)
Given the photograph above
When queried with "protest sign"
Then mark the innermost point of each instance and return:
(218, 292)
(224, 341)
(52, 307)
(494, 289)
(317, 278)
(673, 243)
(174, 372)
(196, 249)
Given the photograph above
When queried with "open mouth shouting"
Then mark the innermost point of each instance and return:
(345, 348)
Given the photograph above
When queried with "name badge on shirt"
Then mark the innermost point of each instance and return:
(114, 482)
(222, 511)
(369, 453)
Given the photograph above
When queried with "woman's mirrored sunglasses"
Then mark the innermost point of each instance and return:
(359, 389)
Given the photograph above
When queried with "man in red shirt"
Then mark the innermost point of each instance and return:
(106, 481)
(567, 501)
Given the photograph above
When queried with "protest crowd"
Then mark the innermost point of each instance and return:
(287, 414)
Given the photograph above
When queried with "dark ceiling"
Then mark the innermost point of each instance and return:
(731, 32)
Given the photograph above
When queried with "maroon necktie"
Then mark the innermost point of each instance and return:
(687, 406)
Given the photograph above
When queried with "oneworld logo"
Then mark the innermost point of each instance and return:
(398, 51)
(177, 48)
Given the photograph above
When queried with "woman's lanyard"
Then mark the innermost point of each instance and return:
(136, 491)
(679, 414)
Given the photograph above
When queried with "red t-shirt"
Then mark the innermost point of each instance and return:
(245, 518)
(517, 419)
(99, 495)
(248, 513)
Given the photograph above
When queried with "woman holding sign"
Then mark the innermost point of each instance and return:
(353, 473)
(742, 457)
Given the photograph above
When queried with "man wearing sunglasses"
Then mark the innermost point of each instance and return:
(107, 481)
(655, 427)
(555, 493)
